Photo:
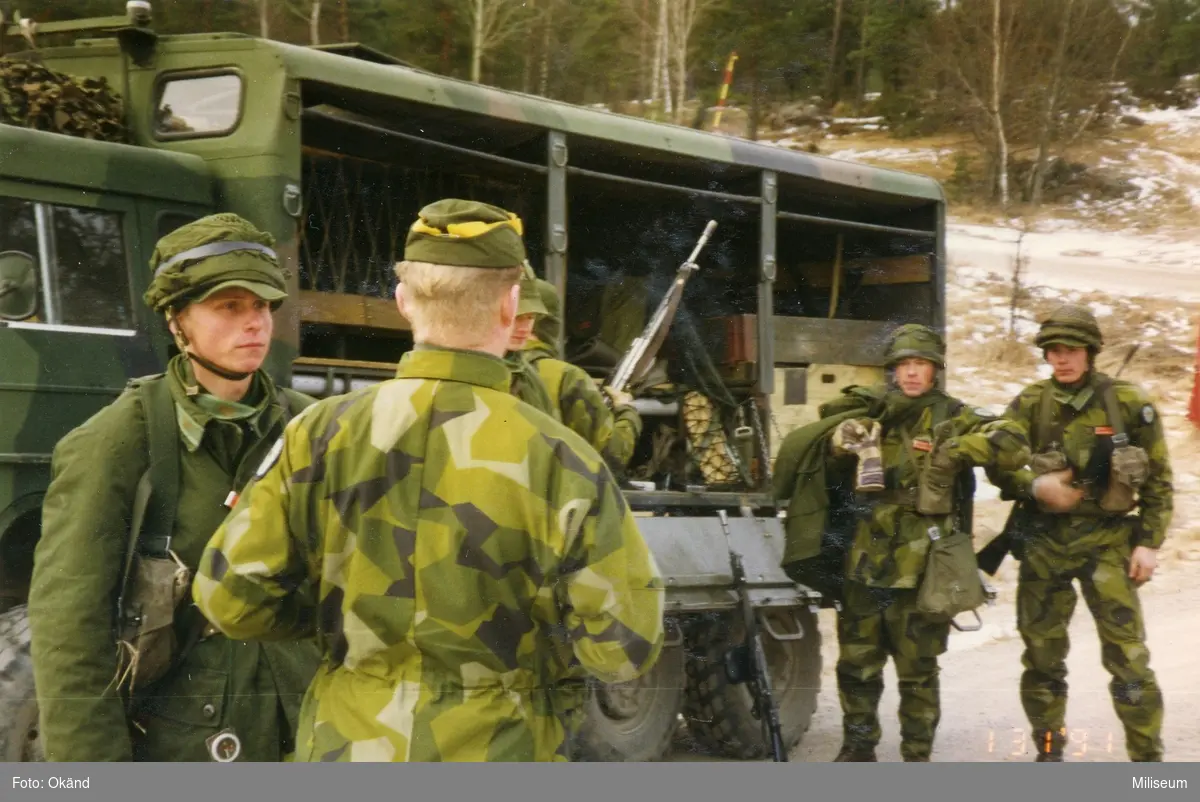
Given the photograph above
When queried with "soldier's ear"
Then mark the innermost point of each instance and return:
(509, 305)
(400, 301)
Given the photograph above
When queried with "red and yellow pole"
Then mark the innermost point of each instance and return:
(724, 89)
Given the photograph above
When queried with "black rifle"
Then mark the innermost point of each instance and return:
(747, 662)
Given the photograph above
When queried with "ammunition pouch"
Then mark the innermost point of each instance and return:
(951, 584)
(1048, 462)
(1128, 469)
(935, 488)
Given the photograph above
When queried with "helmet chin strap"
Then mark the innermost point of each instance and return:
(182, 342)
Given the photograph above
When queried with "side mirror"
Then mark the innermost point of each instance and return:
(18, 285)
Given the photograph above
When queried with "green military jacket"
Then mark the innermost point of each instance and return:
(254, 689)
(580, 405)
(528, 386)
(1080, 425)
(472, 561)
(891, 541)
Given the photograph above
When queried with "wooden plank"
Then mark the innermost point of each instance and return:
(344, 309)
(343, 364)
(914, 269)
(802, 341)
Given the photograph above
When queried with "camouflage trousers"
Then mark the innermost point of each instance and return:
(1045, 603)
(873, 625)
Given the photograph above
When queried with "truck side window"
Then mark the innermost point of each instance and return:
(199, 105)
(83, 277)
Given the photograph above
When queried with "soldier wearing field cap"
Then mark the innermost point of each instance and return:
(610, 424)
(1093, 505)
(471, 559)
(107, 692)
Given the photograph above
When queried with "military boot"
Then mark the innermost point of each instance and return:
(855, 754)
(1050, 746)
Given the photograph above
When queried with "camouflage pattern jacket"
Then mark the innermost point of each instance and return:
(464, 560)
(255, 689)
(581, 406)
(891, 540)
(1085, 428)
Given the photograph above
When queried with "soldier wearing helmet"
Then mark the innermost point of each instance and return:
(471, 560)
(203, 425)
(611, 427)
(884, 468)
(1094, 506)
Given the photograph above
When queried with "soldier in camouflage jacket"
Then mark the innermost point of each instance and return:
(1081, 422)
(464, 560)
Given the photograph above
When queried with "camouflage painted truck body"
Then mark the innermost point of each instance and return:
(333, 150)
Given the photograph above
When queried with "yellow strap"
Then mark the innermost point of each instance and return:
(474, 228)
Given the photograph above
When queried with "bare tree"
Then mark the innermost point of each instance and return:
(997, 115)
(264, 19)
(860, 80)
(492, 23)
(832, 76)
(683, 15)
(312, 16)
(661, 80)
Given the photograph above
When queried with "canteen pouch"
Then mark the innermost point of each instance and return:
(951, 584)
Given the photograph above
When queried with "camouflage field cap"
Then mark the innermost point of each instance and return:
(913, 340)
(466, 234)
(531, 300)
(549, 326)
(211, 254)
(1072, 325)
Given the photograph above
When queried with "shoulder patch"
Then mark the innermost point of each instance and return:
(269, 460)
(1147, 414)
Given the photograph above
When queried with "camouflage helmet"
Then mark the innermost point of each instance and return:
(211, 254)
(530, 302)
(914, 341)
(1072, 325)
(549, 326)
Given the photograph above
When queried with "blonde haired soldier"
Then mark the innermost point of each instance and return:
(470, 559)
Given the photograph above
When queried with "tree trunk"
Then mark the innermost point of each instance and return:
(997, 114)
(547, 29)
(833, 82)
(314, 23)
(344, 19)
(664, 51)
(656, 66)
(264, 19)
(477, 40)
(644, 79)
(861, 78)
(1037, 177)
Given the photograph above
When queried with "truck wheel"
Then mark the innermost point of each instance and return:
(719, 715)
(634, 721)
(19, 741)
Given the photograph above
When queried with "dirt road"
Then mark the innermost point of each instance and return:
(982, 718)
(1122, 264)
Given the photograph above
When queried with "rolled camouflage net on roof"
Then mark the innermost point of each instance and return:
(35, 96)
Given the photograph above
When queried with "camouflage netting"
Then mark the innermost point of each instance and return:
(709, 447)
(34, 96)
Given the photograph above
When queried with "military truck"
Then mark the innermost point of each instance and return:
(334, 149)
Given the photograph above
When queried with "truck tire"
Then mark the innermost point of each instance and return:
(19, 741)
(719, 715)
(634, 721)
